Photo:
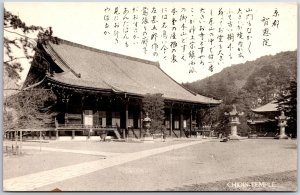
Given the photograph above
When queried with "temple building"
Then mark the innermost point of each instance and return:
(264, 121)
(99, 90)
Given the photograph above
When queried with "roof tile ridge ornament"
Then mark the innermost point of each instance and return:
(108, 52)
(78, 75)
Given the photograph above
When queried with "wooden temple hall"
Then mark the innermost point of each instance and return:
(102, 91)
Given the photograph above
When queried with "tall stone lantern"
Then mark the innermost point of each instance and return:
(234, 121)
(282, 123)
(147, 124)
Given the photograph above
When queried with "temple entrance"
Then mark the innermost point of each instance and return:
(88, 118)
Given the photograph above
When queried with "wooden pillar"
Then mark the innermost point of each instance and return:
(126, 119)
(181, 122)
(73, 134)
(56, 134)
(66, 100)
(141, 122)
(197, 118)
(89, 133)
(191, 122)
(171, 121)
(81, 107)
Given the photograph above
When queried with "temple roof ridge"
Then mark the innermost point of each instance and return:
(155, 63)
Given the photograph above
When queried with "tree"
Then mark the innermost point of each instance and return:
(33, 108)
(19, 44)
(153, 104)
(287, 102)
(30, 105)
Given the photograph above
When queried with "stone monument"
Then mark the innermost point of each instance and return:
(234, 122)
(282, 123)
(148, 138)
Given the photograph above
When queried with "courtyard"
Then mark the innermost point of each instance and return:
(174, 165)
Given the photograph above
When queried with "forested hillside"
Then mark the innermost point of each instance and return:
(256, 77)
(250, 84)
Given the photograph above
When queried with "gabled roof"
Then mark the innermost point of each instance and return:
(92, 68)
(269, 107)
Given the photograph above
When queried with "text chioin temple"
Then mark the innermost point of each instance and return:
(102, 91)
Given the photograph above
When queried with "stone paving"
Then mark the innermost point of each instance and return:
(33, 181)
(104, 154)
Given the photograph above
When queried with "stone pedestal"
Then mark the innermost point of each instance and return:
(233, 134)
(282, 123)
(282, 134)
(148, 138)
(56, 135)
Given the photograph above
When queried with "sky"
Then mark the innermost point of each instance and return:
(84, 23)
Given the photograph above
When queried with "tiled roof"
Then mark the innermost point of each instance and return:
(269, 107)
(88, 67)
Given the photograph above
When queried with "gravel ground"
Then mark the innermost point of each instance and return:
(284, 181)
(198, 164)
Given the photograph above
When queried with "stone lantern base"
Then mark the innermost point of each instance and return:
(234, 137)
(281, 137)
(233, 134)
(148, 138)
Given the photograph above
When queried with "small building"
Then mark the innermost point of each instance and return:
(99, 90)
(264, 122)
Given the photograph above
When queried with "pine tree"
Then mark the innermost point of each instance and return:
(28, 107)
(287, 102)
(153, 104)
(18, 37)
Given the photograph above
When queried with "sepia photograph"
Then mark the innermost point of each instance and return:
(149, 97)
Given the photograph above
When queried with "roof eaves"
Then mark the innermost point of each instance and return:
(77, 86)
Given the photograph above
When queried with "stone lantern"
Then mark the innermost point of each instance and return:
(234, 122)
(282, 120)
(147, 124)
